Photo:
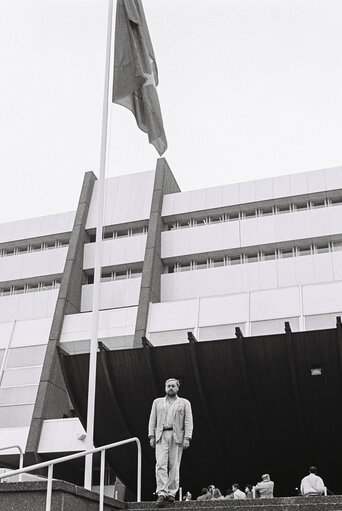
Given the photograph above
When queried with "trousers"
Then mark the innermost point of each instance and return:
(168, 459)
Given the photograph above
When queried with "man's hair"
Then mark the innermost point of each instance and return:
(204, 491)
(173, 379)
(236, 485)
(265, 476)
(313, 469)
(249, 486)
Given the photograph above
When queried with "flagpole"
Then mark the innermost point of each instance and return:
(98, 253)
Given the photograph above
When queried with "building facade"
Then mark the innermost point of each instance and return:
(250, 255)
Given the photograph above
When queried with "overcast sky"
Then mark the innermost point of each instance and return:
(248, 89)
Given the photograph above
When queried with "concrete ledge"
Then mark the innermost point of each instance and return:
(276, 504)
(31, 496)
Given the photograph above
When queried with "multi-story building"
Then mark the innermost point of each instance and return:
(250, 255)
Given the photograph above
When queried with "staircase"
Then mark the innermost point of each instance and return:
(331, 503)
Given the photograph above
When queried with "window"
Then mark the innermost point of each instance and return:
(234, 260)
(285, 253)
(268, 256)
(5, 291)
(106, 276)
(337, 246)
(336, 201)
(322, 248)
(200, 265)
(251, 258)
(120, 275)
(215, 263)
(266, 211)
(233, 216)
(30, 288)
(300, 206)
(35, 247)
(215, 219)
(184, 267)
(135, 273)
(108, 235)
(21, 250)
(303, 251)
(283, 209)
(122, 233)
(318, 203)
(249, 214)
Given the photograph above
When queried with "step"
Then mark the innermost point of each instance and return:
(331, 503)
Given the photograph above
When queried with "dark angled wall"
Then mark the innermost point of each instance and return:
(164, 183)
(52, 398)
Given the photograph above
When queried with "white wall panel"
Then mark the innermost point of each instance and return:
(13, 436)
(214, 197)
(336, 258)
(247, 192)
(5, 333)
(112, 323)
(230, 194)
(304, 269)
(36, 227)
(274, 303)
(316, 181)
(128, 199)
(323, 267)
(223, 310)
(263, 189)
(286, 272)
(298, 184)
(61, 435)
(29, 332)
(28, 306)
(172, 315)
(268, 275)
(121, 293)
(322, 298)
(250, 276)
(281, 186)
(35, 264)
(333, 178)
(117, 251)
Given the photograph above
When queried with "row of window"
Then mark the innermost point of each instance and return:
(33, 247)
(266, 255)
(30, 288)
(110, 233)
(254, 213)
(108, 276)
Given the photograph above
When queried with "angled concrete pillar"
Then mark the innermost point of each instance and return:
(52, 398)
(164, 183)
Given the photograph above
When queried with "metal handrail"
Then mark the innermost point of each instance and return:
(102, 449)
(21, 456)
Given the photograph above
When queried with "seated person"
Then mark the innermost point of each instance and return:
(238, 494)
(206, 495)
(249, 491)
(265, 488)
(217, 495)
(312, 484)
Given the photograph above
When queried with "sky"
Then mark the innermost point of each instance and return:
(248, 89)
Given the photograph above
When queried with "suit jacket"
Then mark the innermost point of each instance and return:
(182, 422)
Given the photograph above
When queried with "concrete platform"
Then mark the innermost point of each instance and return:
(31, 496)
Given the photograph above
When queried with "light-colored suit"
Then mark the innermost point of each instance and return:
(169, 444)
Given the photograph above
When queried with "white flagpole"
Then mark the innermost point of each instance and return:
(98, 252)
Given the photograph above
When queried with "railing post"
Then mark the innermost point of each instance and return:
(49, 489)
(139, 472)
(102, 477)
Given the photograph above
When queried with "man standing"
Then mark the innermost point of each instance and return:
(265, 487)
(170, 431)
(312, 484)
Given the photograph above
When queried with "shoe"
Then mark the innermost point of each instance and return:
(161, 500)
(171, 498)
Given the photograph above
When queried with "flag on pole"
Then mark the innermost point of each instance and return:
(135, 71)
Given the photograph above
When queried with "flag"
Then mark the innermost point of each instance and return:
(135, 71)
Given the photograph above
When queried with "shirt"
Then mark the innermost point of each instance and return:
(312, 484)
(265, 489)
(239, 495)
(170, 408)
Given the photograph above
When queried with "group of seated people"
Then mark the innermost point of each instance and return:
(311, 485)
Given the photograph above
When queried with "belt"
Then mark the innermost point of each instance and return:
(168, 429)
